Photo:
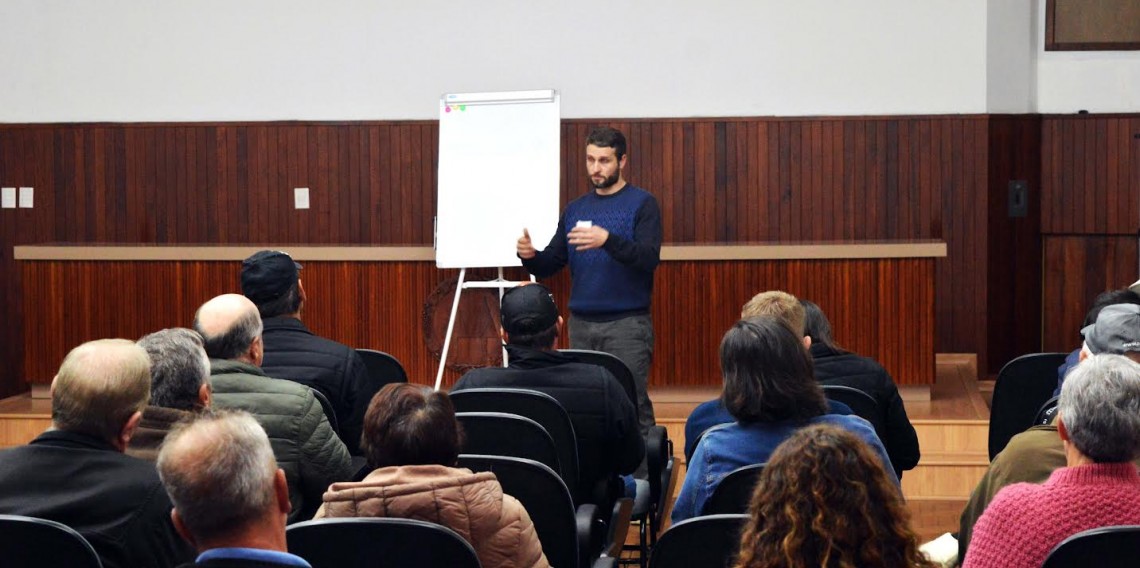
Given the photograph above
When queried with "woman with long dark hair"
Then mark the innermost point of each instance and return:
(770, 390)
(837, 366)
(825, 500)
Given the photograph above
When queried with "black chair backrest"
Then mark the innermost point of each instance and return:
(28, 542)
(382, 369)
(861, 403)
(537, 406)
(1047, 411)
(369, 542)
(327, 406)
(612, 363)
(733, 494)
(701, 542)
(501, 434)
(1106, 547)
(543, 495)
(1022, 386)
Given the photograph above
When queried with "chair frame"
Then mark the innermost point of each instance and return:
(413, 526)
(30, 556)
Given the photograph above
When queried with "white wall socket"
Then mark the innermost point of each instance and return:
(26, 197)
(300, 198)
(7, 198)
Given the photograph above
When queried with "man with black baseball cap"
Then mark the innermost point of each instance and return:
(604, 419)
(271, 279)
(1033, 455)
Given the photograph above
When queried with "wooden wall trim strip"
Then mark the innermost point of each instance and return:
(785, 251)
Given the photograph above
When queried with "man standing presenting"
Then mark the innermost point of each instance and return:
(611, 237)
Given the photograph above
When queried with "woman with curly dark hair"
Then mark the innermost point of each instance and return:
(825, 500)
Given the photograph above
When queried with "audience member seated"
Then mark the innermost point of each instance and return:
(1099, 425)
(234, 511)
(775, 303)
(303, 442)
(1103, 299)
(604, 419)
(76, 472)
(412, 437)
(835, 366)
(272, 281)
(770, 390)
(179, 386)
(824, 499)
(1033, 455)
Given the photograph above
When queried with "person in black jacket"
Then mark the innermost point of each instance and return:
(272, 281)
(604, 419)
(835, 366)
(76, 472)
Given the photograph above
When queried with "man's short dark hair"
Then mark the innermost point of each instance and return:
(285, 304)
(235, 341)
(606, 137)
(1109, 298)
(768, 374)
(410, 424)
(540, 340)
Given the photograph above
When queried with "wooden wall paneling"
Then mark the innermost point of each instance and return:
(1013, 291)
(1088, 171)
(1076, 269)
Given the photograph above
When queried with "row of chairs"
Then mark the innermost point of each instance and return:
(1023, 397)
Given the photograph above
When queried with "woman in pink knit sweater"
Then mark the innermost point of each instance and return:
(1099, 425)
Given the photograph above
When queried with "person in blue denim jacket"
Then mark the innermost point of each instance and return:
(770, 389)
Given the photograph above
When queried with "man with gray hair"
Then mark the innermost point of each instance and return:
(1033, 455)
(1099, 426)
(306, 447)
(179, 386)
(75, 473)
(234, 512)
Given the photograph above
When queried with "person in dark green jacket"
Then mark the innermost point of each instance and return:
(305, 445)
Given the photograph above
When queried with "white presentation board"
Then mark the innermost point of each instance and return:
(498, 173)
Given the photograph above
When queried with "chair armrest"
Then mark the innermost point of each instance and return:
(605, 562)
(591, 532)
(656, 454)
(619, 527)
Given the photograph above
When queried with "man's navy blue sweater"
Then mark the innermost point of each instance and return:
(616, 280)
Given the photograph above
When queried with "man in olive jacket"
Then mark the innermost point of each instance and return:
(306, 448)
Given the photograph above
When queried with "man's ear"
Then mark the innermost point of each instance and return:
(558, 327)
(503, 335)
(1062, 430)
(128, 431)
(51, 389)
(807, 342)
(180, 527)
(622, 162)
(301, 291)
(205, 395)
(257, 351)
(281, 491)
(1085, 353)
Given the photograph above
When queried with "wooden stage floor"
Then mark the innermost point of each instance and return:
(952, 427)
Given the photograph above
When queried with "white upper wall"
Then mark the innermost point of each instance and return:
(1011, 70)
(225, 60)
(1096, 81)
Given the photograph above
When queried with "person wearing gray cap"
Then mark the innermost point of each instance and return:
(1032, 456)
(605, 422)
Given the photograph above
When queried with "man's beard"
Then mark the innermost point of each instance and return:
(607, 182)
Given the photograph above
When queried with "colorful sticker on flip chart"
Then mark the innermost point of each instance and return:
(449, 108)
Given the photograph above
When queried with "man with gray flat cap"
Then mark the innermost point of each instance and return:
(272, 280)
(1034, 454)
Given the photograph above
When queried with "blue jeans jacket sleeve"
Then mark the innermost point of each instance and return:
(692, 498)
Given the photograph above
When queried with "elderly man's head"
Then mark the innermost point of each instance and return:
(231, 328)
(100, 390)
(1100, 409)
(179, 369)
(1116, 332)
(242, 494)
(780, 305)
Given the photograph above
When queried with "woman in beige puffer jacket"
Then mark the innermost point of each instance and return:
(412, 436)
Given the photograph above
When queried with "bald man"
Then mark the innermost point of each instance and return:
(76, 472)
(306, 448)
